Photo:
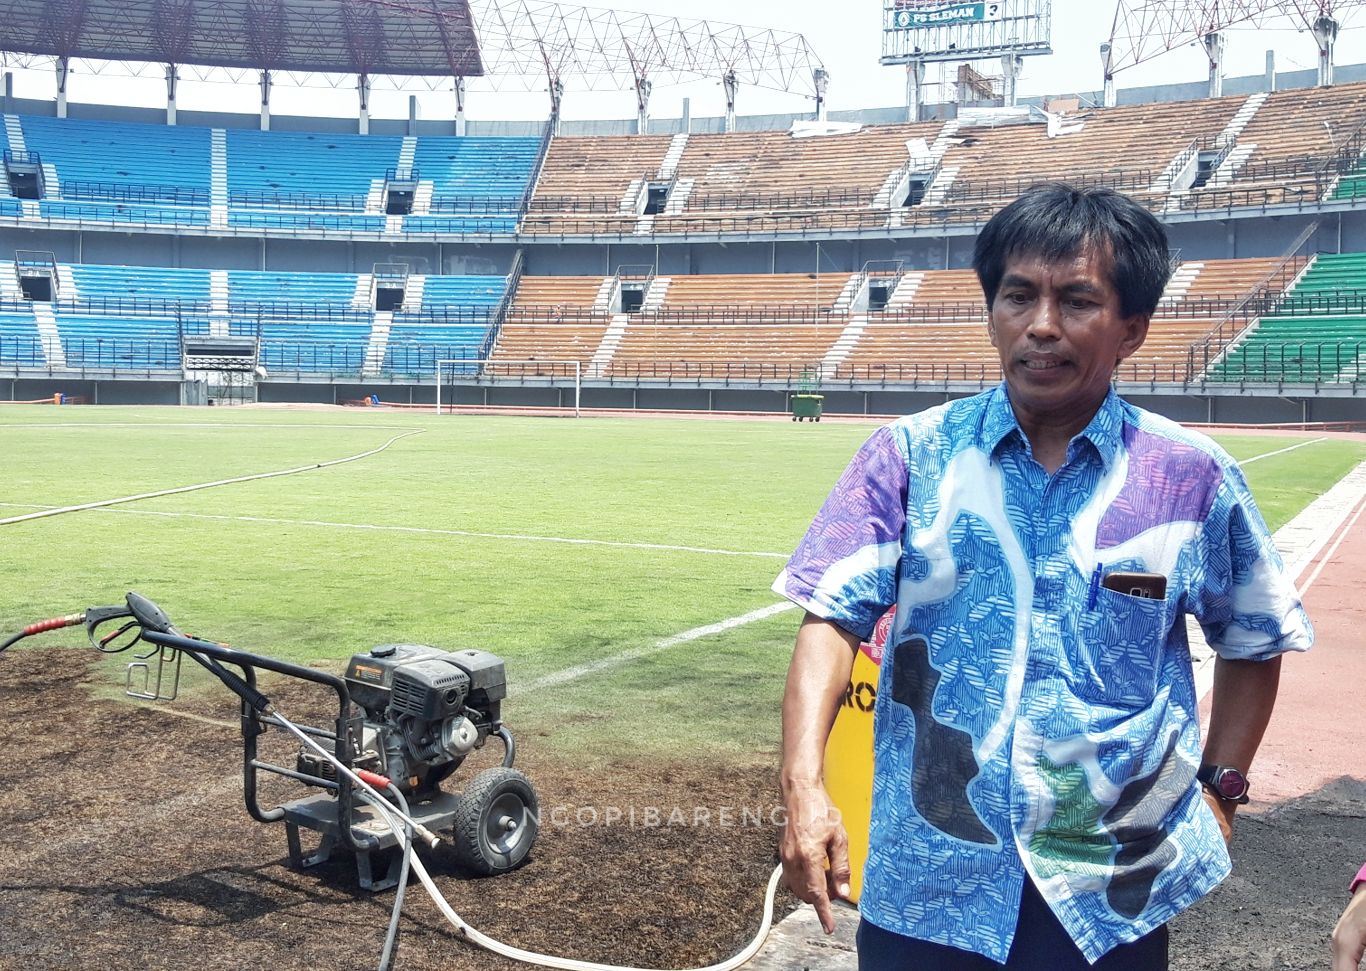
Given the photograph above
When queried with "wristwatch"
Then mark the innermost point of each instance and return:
(1226, 782)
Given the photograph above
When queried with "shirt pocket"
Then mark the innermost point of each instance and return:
(1116, 655)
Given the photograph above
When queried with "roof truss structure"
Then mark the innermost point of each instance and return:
(1144, 29)
(614, 48)
(532, 40)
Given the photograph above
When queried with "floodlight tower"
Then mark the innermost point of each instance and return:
(1144, 29)
(731, 84)
(1214, 47)
(1108, 95)
(820, 78)
(1325, 31)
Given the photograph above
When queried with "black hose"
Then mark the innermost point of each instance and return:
(13, 640)
(391, 939)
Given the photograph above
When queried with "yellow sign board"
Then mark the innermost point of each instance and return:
(849, 751)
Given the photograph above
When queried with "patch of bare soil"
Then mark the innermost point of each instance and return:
(1291, 865)
(124, 844)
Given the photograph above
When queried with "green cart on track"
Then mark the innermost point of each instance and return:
(807, 403)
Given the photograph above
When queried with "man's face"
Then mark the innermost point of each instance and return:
(1060, 333)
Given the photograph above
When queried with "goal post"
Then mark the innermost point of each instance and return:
(487, 371)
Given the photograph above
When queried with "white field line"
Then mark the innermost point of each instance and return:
(635, 653)
(44, 426)
(428, 530)
(205, 485)
(1281, 451)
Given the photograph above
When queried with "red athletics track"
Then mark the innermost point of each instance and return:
(1318, 731)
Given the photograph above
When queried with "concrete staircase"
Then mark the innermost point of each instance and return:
(48, 335)
(15, 133)
(406, 153)
(679, 197)
(669, 166)
(218, 304)
(1180, 283)
(218, 178)
(1240, 119)
(374, 199)
(412, 292)
(1228, 168)
(906, 287)
(853, 288)
(66, 284)
(607, 348)
(844, 344)
(379, 343)
(607, 290)
(654, 296)
(630, 199)
(364, 297)
(937, 190)
(422, 198)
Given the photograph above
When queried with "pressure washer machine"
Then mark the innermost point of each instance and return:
(407, 717)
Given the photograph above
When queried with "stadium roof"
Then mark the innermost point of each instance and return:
(530, 39)
(423, 37)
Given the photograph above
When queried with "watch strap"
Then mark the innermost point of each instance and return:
(1209, 775)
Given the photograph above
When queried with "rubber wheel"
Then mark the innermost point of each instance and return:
(794, 417)
(496, 821)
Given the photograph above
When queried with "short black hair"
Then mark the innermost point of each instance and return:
(1056, 221)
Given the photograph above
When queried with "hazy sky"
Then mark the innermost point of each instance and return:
(846, 37)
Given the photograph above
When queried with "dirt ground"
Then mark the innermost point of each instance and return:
(124, 844)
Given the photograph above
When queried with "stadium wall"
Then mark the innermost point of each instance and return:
(1245, 235)
(1186, 91)
(1231, 406)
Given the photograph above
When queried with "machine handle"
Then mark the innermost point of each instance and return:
(148, 615)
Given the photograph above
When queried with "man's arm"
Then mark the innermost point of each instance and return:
(813, 833)
(1349, 936)
(1244, 695)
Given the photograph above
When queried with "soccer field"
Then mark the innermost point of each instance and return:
(593, 554)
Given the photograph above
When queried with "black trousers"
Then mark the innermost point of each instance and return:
(1041, 944)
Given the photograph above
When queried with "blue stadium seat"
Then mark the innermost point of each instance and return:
(307, 164)
(19, 343)
(119, 342)
(91, 154)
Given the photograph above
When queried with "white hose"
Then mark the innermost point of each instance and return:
(388, 813)
(569, 964)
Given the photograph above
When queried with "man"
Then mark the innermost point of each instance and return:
(1036, 753)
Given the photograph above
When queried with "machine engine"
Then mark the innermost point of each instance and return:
(425, 710)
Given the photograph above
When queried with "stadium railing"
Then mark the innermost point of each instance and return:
(76, 190)
(1289, 363)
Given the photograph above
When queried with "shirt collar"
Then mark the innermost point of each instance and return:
(1104, 431)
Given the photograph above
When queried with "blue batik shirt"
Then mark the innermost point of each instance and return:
(1030, 724)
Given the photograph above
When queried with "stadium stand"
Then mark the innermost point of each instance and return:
(594, 184)
(1316, 332)
(554, 318)
(98, 172)
(471, 185)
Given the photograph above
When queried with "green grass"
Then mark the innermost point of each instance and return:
(273, 566)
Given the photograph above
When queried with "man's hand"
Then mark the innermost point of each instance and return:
(1349, 936)
(1223, 813)
(812, 837)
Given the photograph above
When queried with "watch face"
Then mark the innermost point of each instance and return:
(1231, 784)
